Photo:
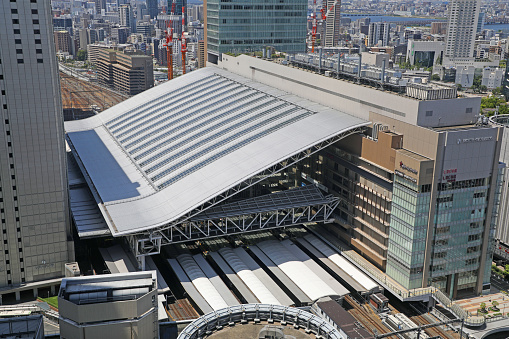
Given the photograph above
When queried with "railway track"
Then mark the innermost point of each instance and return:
(433, 331)
(369, 320)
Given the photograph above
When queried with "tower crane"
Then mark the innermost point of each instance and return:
(315, 21)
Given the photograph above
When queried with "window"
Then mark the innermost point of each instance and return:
(39, 61)
(19, 51)
(474, 237)
(5, 106)
(6, 120)
(15, 21)
(17, 31)
(429, 113)
(38, 41)
(21, 61)
(14, 11)
(38, 51)
(17, 41)
(37, 31)
(34, 11)
(35, 21)
(3, 93)
(469, 110)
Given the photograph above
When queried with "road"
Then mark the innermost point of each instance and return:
(498, 284)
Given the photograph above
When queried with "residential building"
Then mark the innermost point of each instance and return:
(100, 6)
(127, 73)
(201, 54)
(238, 27)
(439, 28)
(330, 35)
(109, 306)
(126, 18)
(34, 203)
(378, 34)
(492, 77)
(63, 41)
(462, 21)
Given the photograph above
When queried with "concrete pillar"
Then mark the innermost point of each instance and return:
(36, 292)
(52, 288)
(18, 295)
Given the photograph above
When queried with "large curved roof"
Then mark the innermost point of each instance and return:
(158, 155)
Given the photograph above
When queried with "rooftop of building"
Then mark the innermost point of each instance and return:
(22, 327)
(107, 287)
(169, 150)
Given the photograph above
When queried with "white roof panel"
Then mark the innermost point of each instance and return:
(161, 154)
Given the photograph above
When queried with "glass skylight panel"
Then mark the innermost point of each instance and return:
(111, 124)
(225, 141)
(195, 130)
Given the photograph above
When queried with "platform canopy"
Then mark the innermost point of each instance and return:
(157, 157)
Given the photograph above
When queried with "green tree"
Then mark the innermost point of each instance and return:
(495, 304)
(497, 91)
(482, 306)
(435, 77)
(483, 88)
(82, 55)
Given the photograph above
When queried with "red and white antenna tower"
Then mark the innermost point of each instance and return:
(183, 42)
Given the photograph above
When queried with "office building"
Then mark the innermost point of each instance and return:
(178, 6)
(463, 16)
(100, 7)
(63, 41)
(109, 306)
(425, 53)
(34, 207)
(492, 77)
(378, 34)
(152, 8)
(330, 35)
(127, 73)
(239, 27)
(126, 17)
(120, 34)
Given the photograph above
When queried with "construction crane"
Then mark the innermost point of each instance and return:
(183, 43)
(313, 29)
(315, 21)
(168, 43)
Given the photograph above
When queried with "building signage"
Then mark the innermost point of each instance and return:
(405, 167)
(404, 176)
(467, 140)
(450, 175)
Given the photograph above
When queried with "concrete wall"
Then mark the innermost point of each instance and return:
(351, 98)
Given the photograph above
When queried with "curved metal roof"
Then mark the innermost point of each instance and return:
(161, 154)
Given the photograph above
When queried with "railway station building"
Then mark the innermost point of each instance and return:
(411, 185)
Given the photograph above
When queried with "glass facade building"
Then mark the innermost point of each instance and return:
(243, 26)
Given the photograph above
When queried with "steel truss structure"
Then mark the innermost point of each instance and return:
(184, 229)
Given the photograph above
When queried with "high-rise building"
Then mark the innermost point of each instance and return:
(480, 22)
(178, 6)
(378, 34)
(438, 27)
(63, 41)
(126, 17)
(238, 27)
(152, 8)
(127, 73)
(332, 23)
(99, 5)
(201, 54)
(463, 16)
(34, 204)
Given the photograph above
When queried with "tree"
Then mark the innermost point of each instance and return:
(483, 88)
(460, 87)
(497, 91)
(435, 77)
(495, 304)
(82, 55)
(482, 306)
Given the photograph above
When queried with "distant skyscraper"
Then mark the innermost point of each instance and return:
(126, 17)
(240, 27)
(99, 5)
(332, 23)
(462, 24)
(378, 32)
(34, 205)
(480, 22)
(152, 8)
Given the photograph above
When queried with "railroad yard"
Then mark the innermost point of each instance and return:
(80, 97)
